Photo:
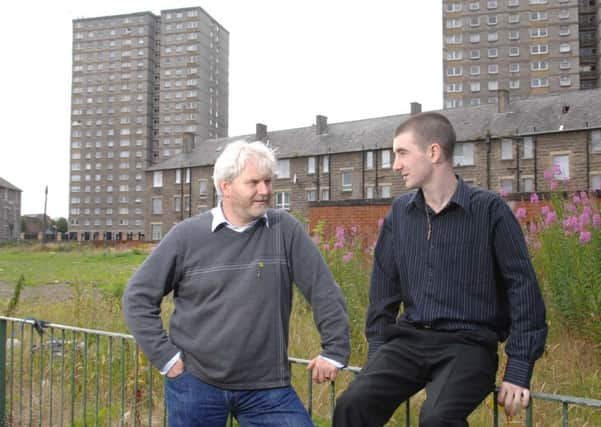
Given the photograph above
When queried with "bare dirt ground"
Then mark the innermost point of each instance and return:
(51, 291)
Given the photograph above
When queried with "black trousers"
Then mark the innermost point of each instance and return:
(457, 369)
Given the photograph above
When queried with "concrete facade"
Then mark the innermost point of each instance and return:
(140, 82)
(529, 47)
(10, 212)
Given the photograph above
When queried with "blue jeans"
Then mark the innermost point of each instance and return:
(194, 403)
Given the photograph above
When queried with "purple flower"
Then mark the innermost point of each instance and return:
(544, 210)
(584, 219)
(596, 220)
(338, 245)
(534, 198)
(571, 208)
(554, 185)
(533, 228)
(326, 247)
(551, 218)
(585, 237)
(583, 196)
(340, 234)
(354, 230)
(548, 175)
(576, 199)
(520, 213)
(347, 256)
(587, 210)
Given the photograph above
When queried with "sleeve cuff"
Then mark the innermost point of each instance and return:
(170, 364)
(332, 361)
(518, 372)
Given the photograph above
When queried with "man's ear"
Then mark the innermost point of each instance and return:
(225, 187)
(436, 152)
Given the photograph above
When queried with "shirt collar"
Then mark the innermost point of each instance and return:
(220, 219)
(461, 196)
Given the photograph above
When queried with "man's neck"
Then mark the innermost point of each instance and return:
(440, 190)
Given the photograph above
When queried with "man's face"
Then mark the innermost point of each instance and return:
(247, 197)
(411, 161)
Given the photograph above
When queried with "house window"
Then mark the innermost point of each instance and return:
(493, 36)
(474, 21)
(565, 81)
(507, 184)
(514, 68)
(562, 163)
(282, 200)
(157, 206)
(493, 85)
(564, 48)
(283, 168)
(325, 194)
(475, 87)
(347, 180)
(157, 179)
(463, 155)
(538, 16)
(385, 190)
(177, 204)
(538, 32)
(454, 71)
(454, 55)
(325, 164)
(596, 181)
(539, 66)
(474, 5)
(311, 162)
(475, 38)
(514, 35)
(514, 18)
(369, 192)
(527, 184)
(539, 49)
(203, 187)
(540, 82)
(155, 232)
(596, 141)
(506, 149)
(564, 64)
(311, 195)
(493, 68)
(514, 51)
(493, 52)
(474, 70)
(564, 30)
(528, 147)
(475, 54)
(369, 160)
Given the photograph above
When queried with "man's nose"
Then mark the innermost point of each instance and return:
(264, 187)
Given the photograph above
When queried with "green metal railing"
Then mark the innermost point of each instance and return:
(52, 374)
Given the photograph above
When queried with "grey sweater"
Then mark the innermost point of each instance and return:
(233, 295)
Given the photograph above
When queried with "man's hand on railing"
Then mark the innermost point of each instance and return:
(322, 370)
(513, 398)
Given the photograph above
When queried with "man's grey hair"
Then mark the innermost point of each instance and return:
(232, 160)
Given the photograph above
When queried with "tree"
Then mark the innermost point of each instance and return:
(61, 225)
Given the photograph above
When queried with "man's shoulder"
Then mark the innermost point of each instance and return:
(200, 222)
(403, 200)
(282, 218)
(481, 197)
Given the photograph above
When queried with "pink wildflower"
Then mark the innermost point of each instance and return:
(583, 196)
(554, 185)
(596, 220)
(585, 237)
(534, 198)
(520, 213)
(584, 219)
(576, 199)
(544, 210)
(347, 256)
(533, 229)
(354, 230)
(571, 208)
(338, 245)
(340, 234)
(551, 218)
(548, 175)
(326, 247)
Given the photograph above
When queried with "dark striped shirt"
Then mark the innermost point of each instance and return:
(466, 267)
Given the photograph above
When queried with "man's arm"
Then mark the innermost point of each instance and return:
(315, 281)
(528, 334)
(142, 299)
(384, 291)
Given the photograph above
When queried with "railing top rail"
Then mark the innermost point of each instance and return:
(67, 328)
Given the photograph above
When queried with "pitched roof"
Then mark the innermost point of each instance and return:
(5, 184)
(573, 110)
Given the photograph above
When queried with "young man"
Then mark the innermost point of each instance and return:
(231, 272)
(455, 257)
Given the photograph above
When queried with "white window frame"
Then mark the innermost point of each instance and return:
(563, 161)
(527, 148)
(157, 179)
(506, 149)
(283, 166)
(282, 199)
(596, 141)
(463, 154)
(527, 184)
(311, 165)
(369, 160)
(346, 180)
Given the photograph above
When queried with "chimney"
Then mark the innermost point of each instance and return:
(188, 142)
(321, 124)
(261, 132)
(503, 101)
(416, 108)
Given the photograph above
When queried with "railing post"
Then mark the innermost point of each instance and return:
(3, 372)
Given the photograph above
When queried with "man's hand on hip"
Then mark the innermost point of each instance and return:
(513, 398)
(323, 371)
(176, 369)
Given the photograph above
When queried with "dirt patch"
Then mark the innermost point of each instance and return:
(51, 291)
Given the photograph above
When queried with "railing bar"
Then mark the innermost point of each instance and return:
(332, 399)
(73, 378)
(51, 374)
(110, 382)
(122, 415)
(41, 378)
(136, 397)
(564, 414)
(62, 400)
(21, 374)
(12, 375)
(84, 391)
(3, 347)
(495, 409)
(529, 418)
(149, 395)
(97, 378)
(408, 412)
(310, 393)
(31, 375)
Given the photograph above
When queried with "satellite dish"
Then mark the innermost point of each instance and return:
(294, 179)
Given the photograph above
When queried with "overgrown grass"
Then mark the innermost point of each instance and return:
(571, 364)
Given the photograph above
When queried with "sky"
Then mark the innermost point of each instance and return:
(289, 61)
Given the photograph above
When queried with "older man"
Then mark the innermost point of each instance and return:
(231, 272)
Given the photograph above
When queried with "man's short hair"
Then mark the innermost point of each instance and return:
(232, 161)
(429, 128)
